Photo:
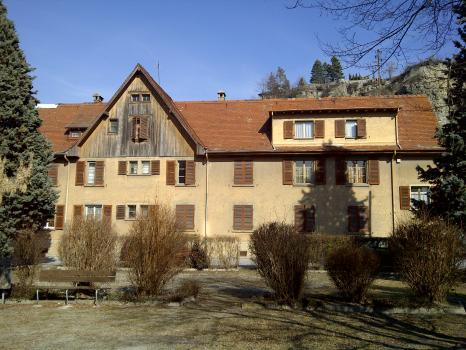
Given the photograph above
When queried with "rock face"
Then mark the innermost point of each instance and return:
(425, 78)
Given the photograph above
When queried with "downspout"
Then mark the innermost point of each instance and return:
(392, 170)
(206, 196)
(67, 183)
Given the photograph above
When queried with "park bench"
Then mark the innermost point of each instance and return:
(73, 280)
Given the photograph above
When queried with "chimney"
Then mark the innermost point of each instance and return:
(221, 95)
(97, 98)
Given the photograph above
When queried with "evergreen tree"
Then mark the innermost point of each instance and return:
(20, 141)
(300, 89)
(335, 70)
(284, 88)
(448, 193)
(326, 72)
(317, 73)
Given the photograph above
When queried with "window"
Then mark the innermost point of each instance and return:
(133, 167)
(113, 126)
(420, 195)
(185, 217)
(139, 130)
(181, 172)
(304, 130)
(135, 98)
(242, 217)
(243, 172)
(356, 171)
(358, 219)
(90, 173)
(351, 129)
(145, 167)
(74, 134)
(144, 210)
(50, 224)
(305, 218)
(145, 97)
(131, 211)
(94, 212)
(304, 172)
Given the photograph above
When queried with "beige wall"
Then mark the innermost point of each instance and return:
(380, 129)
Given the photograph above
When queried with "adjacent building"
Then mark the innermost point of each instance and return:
(332, 165)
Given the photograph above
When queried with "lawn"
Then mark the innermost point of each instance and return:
(218, 320)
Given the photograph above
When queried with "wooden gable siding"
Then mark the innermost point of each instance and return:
(164, 138)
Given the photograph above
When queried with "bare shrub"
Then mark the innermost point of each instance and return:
(224, 250)
(282, 257)
(187, 289)
(198, 258)
(27, 251)
(428, 253)
(154, 250)
(352, 269)
(321, 245)
(89, 244)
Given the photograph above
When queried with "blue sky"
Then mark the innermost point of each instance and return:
(79, 47)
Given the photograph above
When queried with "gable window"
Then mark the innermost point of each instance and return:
(133, 167)
(139, 129)
(145, 98)
(135, 98)
(304, 130)
(145, 167)
(356, 171)
(90, 173)
(419, 195)
(181, 179)
(131, 211)
(94, 211)
(304, 172)
(351, 129)
(113, 126)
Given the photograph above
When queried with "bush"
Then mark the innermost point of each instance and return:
(428, 253)
(187, 289)
(321, 245)
(282, 257)
(198, 258)
(27, 252)
(154, 251)
(89, 245)
(352, 270)
(224, 250)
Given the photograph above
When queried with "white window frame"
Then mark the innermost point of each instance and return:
(353, 128)
(88, 172)
(138, 97)
(142, 97)
(178, 169)
(356, 174)
(304, 129)
(142, 167)
(49, 227)
(127, 211)
(303, 167)
(87, 207)
(419, 185)
(74, 134)
(130, 164)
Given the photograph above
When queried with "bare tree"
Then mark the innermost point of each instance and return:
(397, 26)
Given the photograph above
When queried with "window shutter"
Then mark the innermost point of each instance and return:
(373, 169)
(99, 173)
(133, 128)
(78, 212)
(53, 174)
(152, 208)
(243, 172)
(171, 180)
(185, 217)
(361, 128)
(59, 217)
(247, 217)
(144, 128)
(120, 212)
(287, 172)
(405, 198)
(242, 217)
(320, 172)
(288, 129)
(319, 129)
(238, 172)
(108, 213)
(340, 128)
(299, 217)
(80, 170)
(122, 167)
(190, 172)
(155, 167)
(310, 218)
(340, 172)
(363, 219)
(353, 218)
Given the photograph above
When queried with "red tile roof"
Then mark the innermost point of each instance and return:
(244, 125)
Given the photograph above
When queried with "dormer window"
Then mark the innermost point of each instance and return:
(304, 130)
(74, 134)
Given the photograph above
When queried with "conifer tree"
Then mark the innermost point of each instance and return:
(20, 141)
(335, 69)
(284, 88)
(448, 178)
(317, 73)
(299, 90)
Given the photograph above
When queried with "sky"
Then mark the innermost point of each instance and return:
(79, 47)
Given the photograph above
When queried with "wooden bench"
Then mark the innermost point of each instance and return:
(73, 280)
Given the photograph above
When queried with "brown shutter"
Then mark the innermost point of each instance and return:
(373, 169)
(340, 172)
(53, 174)
(237, 217)
(353, 218)
(299, 217)
(247, 217)
(238, 173)
(319, 129)
(99, 173)
(190, 172)
(361, 128)
(120, 212)
(287, 172)
(288, 129)
(243, 172)
(310, 219)
(363, 219)
(340, 128)
(108, 212)
(405, 198)
(155, 167)
(59, 217)
(185, 217)
(242, 217)
(78, 211)
(152, 208)
(80, 170)
(144, 128)
(171, 180)
(122, 167)
(134, 123)
(320, 172)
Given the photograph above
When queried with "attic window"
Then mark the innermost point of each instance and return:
(135, 98)
(74, 134)
(145, 98)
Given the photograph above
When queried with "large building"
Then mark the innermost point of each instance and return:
(332, 165)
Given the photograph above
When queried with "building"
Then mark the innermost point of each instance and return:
(332, 165)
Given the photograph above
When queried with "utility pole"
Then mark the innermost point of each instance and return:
(158, 72)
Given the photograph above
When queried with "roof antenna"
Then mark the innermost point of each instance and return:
(158, 71)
